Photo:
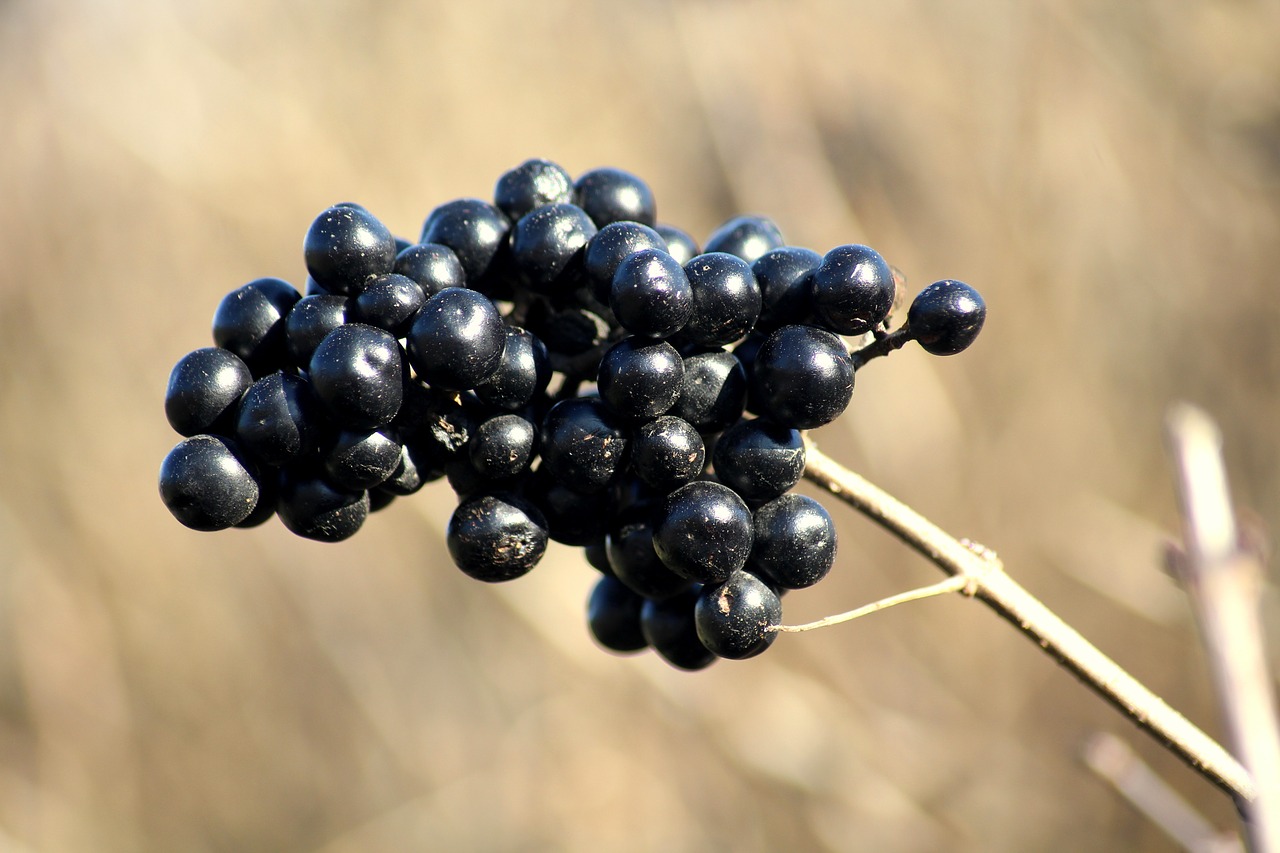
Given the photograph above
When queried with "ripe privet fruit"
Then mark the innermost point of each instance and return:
(613, 615)
(668, 627)
(733, 618)
(432, 266)
(640, 378)
(206, 484)
(496, 538)
(547, 246)
(726, 299)
(389, 301)
(784, 277)
(358, 373)
(474, 229)
(612, 195)
(583, 445)
(802, 378)
(634, 561)
(946, 317)
(715, 391)
(362, 459)
(502, 446)
(747, 237)
(345, 245)
(795, 542)
(667, 452)
(313, 508)
(250, 323)
(759, 460)
(705, 532)
(279, 419)
(456, 342)
(681, 246)
(650, 294)
(204, 388)
(852, 290)
(534, 183)
(610, 247)
(522, 373)
(309, 321)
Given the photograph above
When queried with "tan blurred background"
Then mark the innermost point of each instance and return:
(1108, 175)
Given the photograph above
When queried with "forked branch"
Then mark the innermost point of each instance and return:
(986, 580)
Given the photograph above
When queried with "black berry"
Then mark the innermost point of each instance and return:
(667, 452)
(206, 484)
(747, 237)
(802, 377)
(250, 322)
(456, 342)
(613, 615)
(640, 378)
(795, 542)
(496, 538)
(733, 618)
(345, 245)
(704, 533)
(583, 445)
(533, 184)
(946, 317)
(852, 290)
(204, 389)
(612, 195)
(759, 460)
(358, 373)
(726, 299)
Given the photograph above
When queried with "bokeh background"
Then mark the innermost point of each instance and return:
(1108, 175)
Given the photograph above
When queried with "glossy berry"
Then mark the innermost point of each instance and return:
(704, 533)
(634, 560)
(408, 477)
(613, 615)
(726, 299)
(279, 419)
(474, 229)
(803, 377)
(456, 342)
(309, 321)
(502, 446)
(362, 459)
(795, 542)
(610, 247)
(432, 266)
(784, 278)
(733, 618)
(389, 301)
(250, 323)
(669, 629)
(314, 508)
(583, 445)
(946, 317)
(681, 246)
(534, 183)
(206, 484)
(667, 452)
(204, 388)
(714, 393)
(358, 373)
(612, 195)
(852, 290)
(759, 460)
(747, 237)
(640, 378)
(522, 373)
(496, 538)
(547, 246)
(345, 245)
(651, 295)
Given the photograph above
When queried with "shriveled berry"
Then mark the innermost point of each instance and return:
(946, 317)
(522, 373)
(715, 391)
(803, 377)
(279, 419)
(759, 460)
(358, 372)
(726, 299)
(547, 246)
(313, 508)
(250, 323)
(389, 301)
(668, 627)
(307, 323)
(613, 615)
(534, 183)
(432, 266)
(852, 290)
(456, 342)
(583, 445)
(362, 459)
(747, 237)
(610, 247)
(345, 245)
(496, 538)
(733, 618)
(650, 294)
(667, 452)
(204, 389)
(795, 542)
(474, 229)
(612, 195)
(206, 483)
(640, 378)
(704, 533)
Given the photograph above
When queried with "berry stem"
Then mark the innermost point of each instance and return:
(984, 574)
(882, 345)
(955, 583)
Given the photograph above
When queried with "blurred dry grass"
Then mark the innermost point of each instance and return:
(1107, 174)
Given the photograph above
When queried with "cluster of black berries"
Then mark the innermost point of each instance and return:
(405, 363)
